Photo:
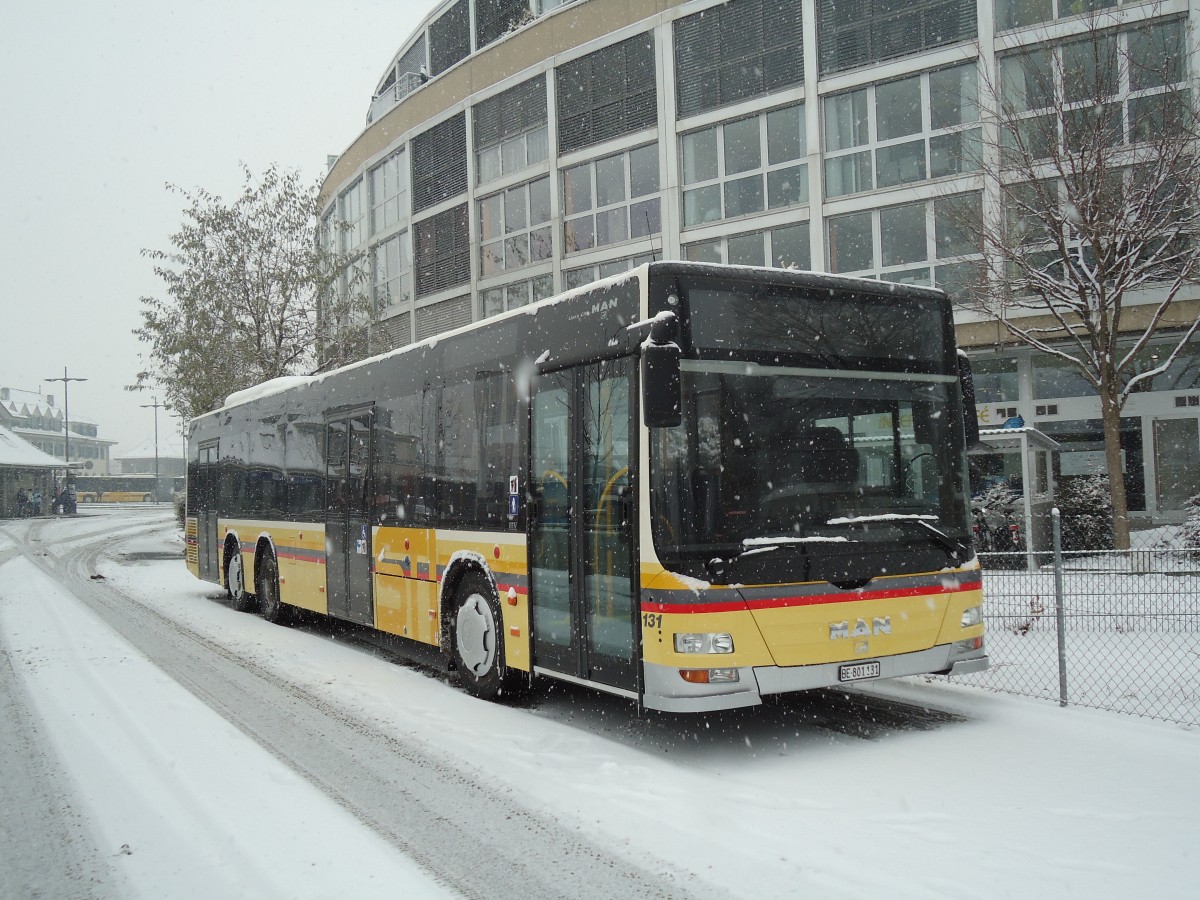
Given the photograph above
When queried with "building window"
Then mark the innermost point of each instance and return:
(443, 252)
(510, 131)
(1023, 13)
(1020, 13)
(573, 278)
(606, 94)
(1137, 72)
(1055, 378)
(854, 33)
(389, 193)
(927, 242)
(784, 248)
(611, 200)
(745, 166)
(904, 131)
(512, 296)
(353, 216)
(737, 51)
(495, 18)
(514, 228)
(439, 163)
(995, 380)
(450, 38)
(393, 273)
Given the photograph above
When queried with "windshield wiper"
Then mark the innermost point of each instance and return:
(954, 549)
(718, 566)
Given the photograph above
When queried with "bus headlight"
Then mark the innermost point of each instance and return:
(719, 642)
(972, 616)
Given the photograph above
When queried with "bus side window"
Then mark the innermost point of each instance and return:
(458, 443)
(400, 470)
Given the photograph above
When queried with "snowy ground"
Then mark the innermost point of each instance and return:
(960, 792)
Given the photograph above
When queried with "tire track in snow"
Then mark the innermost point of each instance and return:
(473, 837)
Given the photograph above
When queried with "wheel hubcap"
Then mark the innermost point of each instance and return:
(476, 631)
(236, 578)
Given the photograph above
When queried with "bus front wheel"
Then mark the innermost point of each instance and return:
(479, 639)
(235, 582)
(270, 607)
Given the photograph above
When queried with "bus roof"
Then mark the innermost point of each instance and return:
(795, 277)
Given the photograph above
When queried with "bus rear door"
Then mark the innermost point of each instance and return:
(208, 542)
(582, 574)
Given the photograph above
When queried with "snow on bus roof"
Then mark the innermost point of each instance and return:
(288, 382)
(266, 388)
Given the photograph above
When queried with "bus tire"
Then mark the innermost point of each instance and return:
(235, 581)
(477, 639)
(270, 607)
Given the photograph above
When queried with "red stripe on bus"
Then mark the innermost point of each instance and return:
(807, 599)
(302, 557)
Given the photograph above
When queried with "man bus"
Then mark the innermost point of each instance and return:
(689, 485)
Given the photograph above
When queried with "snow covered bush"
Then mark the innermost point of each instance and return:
(1085, 502)
(178, 501)
(1189, 533)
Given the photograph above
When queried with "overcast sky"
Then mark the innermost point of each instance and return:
(103, 104)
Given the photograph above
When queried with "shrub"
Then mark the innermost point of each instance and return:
(178, 502)
(1189, 533)
(1085, 502)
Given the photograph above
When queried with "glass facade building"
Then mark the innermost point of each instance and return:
(518, 148)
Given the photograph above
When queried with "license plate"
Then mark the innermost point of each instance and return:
(858, 671)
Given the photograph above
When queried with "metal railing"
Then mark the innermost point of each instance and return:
(1115, 630)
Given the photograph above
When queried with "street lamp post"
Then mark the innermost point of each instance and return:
(66, 381)
(156, 406)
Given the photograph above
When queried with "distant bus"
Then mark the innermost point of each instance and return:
(122, 488)
(692, 486)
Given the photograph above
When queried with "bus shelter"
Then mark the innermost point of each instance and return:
(23, 467)
(1020, 460)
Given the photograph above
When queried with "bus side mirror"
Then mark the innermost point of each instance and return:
(966, 383)
(661, 389)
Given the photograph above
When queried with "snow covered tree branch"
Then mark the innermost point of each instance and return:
(249, 293)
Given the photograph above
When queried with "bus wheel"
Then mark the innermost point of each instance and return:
(478, 638)
(269, 605)
(235, 583)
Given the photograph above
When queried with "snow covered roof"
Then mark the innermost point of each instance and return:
(167, 449)
(15, 451)
(996, 437)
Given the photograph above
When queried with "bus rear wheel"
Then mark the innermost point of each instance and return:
(235, 583)
(478, 639)
(270, 607)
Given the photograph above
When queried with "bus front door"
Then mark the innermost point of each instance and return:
(581, 520)
(208, 542)
(347, 517)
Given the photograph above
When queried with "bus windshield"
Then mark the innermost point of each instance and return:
(790, 459)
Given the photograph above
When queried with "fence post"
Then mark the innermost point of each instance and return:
(1059, 613)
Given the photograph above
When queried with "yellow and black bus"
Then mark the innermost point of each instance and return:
(123, 488)
(689, 485)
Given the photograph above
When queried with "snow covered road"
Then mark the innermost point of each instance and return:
(155, 743)
(332, 808)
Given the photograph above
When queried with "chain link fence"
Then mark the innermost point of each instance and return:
(1127, 639)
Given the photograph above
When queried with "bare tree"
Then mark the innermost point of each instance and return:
(1091, 147)
(253, 291)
